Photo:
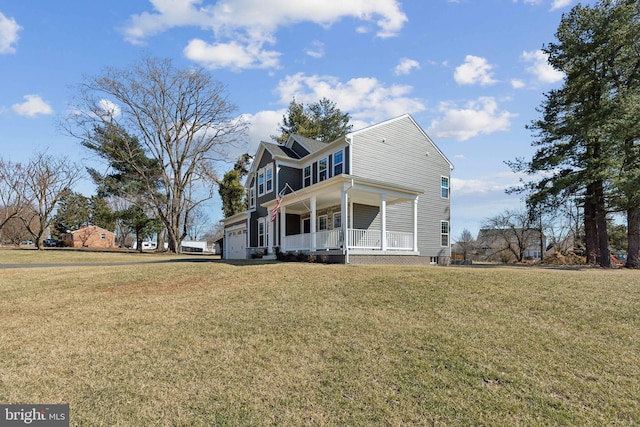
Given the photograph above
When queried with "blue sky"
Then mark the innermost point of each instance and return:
(470, 72)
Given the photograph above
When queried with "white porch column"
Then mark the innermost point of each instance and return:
(270, 233)
(312, 222)
(344, 204)
(383, 222)
(415, 225)
(283, 227)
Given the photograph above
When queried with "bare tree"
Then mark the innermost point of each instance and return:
(510, 234)
(466, 243)
(46, 182)
(181, 119)
(12, 192)
(197, 223)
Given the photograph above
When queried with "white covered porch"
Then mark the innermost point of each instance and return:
(331, 217)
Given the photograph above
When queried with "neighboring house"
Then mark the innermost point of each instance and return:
(89, 236)
(380, 194)
(508, 244)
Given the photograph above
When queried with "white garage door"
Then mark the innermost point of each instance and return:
(236, 244)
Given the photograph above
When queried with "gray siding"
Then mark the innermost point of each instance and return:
(265, 160)
(398, 152)
(291, 176)
(366, 217)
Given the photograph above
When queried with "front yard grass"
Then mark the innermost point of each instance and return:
(216, 343)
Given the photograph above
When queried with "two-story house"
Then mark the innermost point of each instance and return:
(377, 195)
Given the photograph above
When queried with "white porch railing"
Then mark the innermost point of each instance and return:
(358, 239)
(329, 239)
(399, 240)
(297, 242)
(364, 239)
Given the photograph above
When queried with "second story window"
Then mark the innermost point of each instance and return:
(252, 198)
(338, 163)
(307, 176)
(265, 180)
(260, 183)
(444, 185)
(269, 179)
(322, 169)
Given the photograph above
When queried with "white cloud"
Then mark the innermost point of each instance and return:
(262, 125)
(365, 98)
(475, 70)
(233, 55)
(33, 106)
(555, 4)
(494, 185)
(540, 68)
(316, 50)
(559, 4)
(9, 29)
(517, 84)
(405, 66)
(477, 117)
(249, 24)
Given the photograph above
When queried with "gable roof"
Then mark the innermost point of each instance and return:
(280, 150)
(402, 117)
(312, 145)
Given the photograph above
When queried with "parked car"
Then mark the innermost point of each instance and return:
(51, 243)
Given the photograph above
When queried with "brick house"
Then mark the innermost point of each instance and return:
(89, 236)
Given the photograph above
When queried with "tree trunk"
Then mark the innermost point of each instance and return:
(603, 235)
(590, 228)
(633, 237)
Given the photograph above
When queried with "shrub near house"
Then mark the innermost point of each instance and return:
(89, 236)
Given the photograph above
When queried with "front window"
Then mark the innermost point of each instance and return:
(444, 185)
(261, 233)
(307, 176)
(337, 163)
(103, 236)
(444, 233)
(322, 169)
(337, 220)
(322, 222)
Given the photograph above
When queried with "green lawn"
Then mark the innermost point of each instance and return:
(214, 343)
